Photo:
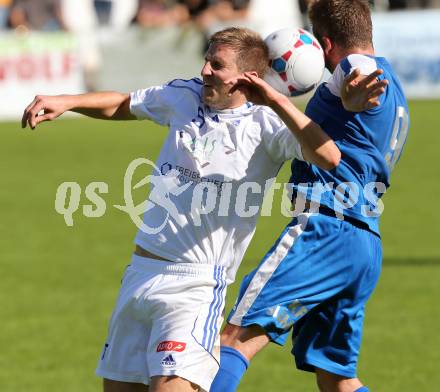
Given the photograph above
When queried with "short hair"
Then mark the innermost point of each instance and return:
(346, 22)
(252, 51)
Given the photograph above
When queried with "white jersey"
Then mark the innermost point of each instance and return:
(219, 163)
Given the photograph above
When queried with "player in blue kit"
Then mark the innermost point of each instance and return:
(321, 271)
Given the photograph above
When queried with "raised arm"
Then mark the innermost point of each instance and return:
(361, 92)
(317, 147)
(104, 105)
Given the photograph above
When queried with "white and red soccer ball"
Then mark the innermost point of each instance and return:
(296, 61)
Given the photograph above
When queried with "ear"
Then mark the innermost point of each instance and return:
(327, 45)
(254, 73)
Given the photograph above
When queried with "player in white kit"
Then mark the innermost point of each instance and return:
(164, 331)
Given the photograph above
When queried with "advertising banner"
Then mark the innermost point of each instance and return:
(50, 63)
(410, 40)
(43, 63)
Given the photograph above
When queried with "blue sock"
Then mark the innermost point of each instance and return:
(362, 389)
(232, 367)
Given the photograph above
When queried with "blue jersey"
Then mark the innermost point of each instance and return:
(370, 143)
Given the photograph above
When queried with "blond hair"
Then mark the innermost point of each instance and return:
(252, 51)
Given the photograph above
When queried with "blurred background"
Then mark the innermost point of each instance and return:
(59, 283)
(68, 46)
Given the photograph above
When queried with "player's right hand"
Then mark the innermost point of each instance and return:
(257, 91)
(43, 108)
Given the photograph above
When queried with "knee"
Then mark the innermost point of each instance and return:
(232, 334)
(247, 340)
(329, 382)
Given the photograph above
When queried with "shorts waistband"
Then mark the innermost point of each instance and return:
(175, 268)
(332, 213)
(324, 210)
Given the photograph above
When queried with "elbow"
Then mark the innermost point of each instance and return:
(121, 110)
(330, 159)
(334, 159)
(327, 156)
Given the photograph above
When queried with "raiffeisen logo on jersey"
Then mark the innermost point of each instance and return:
(211, 195)
(186, 175)
(170, 345)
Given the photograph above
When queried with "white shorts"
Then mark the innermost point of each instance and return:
(166, 322)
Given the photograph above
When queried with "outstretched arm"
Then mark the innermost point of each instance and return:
(103, 105)
(317, 147)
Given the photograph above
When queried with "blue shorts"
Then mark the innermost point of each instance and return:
(315, 280)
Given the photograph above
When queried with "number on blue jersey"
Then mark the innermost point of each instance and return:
(398, 137)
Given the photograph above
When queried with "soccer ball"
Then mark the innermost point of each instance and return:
(296, 61)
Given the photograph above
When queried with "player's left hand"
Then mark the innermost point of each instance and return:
(360, 92)
(256, 89)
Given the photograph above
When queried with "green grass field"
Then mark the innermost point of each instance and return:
(59, 283)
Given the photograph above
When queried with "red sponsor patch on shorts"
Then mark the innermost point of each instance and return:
(170, 345)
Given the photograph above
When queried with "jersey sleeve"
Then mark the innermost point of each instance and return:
(161, 103)
(279, 141)
(154, 103)
(364, 63)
